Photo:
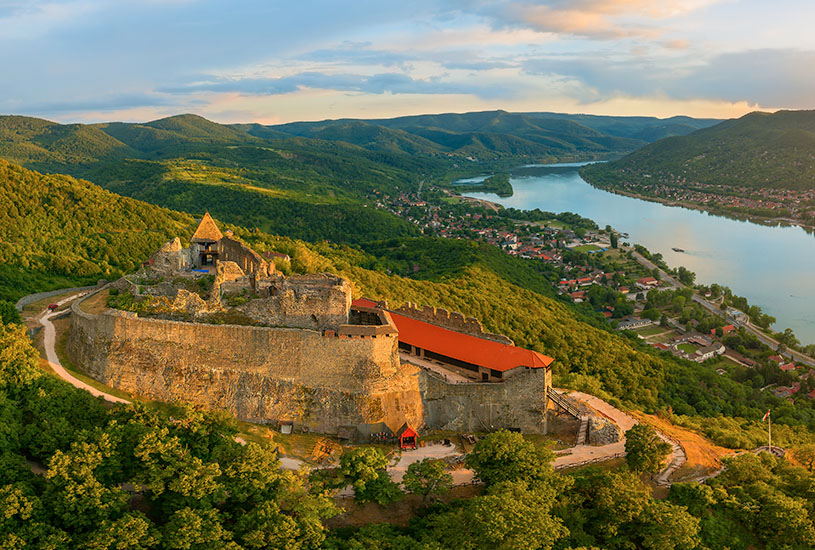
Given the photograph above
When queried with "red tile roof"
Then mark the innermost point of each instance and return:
(364, 302)
(464, 347)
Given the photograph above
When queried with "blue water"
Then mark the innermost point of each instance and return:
(773, 267)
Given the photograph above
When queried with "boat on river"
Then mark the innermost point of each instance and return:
(677, 249)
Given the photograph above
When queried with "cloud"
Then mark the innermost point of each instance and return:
(30, 20)
(381, 83)
(99, 104)
(596, 19)
(777, 77)
(768, 77)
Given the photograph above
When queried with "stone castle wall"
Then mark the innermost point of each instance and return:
(259, 374)
(452, 320)
(519, 402)
(252, 263)
(316, 302)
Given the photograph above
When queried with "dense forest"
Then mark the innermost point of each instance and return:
(494, 134)
(57, 226)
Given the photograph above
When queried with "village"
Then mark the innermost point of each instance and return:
(590, 266)
(767, 202)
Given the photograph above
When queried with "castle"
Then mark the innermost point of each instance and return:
(217, 325)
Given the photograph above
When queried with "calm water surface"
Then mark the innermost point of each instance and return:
(774, 267)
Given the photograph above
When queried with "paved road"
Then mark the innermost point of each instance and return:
(713, 308)
(51, 355)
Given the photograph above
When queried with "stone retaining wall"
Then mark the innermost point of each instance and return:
(259, 374)
(519, 402)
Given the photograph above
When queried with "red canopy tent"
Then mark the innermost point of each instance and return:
(408, 438)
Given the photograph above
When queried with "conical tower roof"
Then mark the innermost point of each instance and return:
(207, 231)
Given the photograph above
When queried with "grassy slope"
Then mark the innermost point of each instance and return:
(757, 150)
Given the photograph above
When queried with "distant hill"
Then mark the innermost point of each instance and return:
(175, 135)
(495, 134)
(758, 150)
(647, 129)
(307, 180)
(41, 143)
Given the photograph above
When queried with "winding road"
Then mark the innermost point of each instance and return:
(49, 343)
(713, 308)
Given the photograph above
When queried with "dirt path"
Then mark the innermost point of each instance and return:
(438, 452)
(49, 342)
(583, 454)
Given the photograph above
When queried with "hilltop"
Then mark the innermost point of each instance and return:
(758, 150)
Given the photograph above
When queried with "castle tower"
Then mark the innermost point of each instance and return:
(204, 239)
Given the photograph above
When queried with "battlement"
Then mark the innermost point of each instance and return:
(372, 323)
(452, 320)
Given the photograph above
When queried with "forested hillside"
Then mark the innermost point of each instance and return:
(756, 151)
(58, 226)
(40, 144)
(495, 134)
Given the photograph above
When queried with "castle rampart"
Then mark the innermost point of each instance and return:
(259, 374)
(452, 320)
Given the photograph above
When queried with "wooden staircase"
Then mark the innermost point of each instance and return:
(561, 401)
(582, 431)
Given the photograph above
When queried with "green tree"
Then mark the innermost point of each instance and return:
(666, 526)
(9, 313)
(428, 478)
(74, 493)
(510, 516)
(18, 358)
(644, 450)
(365, 469)
(133, 531)
(686, 276)
(805, 454)
(189, 529)
(265, 526)
(507, 456)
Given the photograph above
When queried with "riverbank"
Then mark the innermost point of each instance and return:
(723, 212)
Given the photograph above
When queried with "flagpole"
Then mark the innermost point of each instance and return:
(770, 432)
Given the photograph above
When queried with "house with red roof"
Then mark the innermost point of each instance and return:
(725, 329)
(787, 391)
(788, 367)
(647, 283)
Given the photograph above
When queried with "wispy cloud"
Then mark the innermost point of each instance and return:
(598, 19)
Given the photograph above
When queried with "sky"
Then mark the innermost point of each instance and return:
(271, 61)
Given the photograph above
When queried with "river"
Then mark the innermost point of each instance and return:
(772, 266)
